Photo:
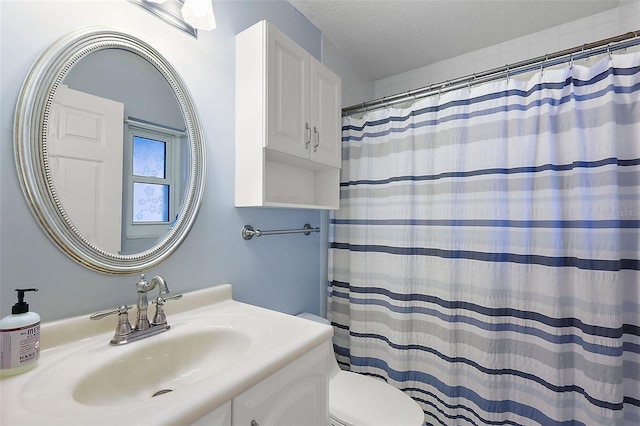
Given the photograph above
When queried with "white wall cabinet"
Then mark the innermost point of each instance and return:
(288, 131)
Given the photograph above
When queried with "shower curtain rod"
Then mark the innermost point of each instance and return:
(586, 50)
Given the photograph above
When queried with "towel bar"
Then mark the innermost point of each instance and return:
(248, 232)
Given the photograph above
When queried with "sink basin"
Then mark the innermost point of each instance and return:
(216, 349)
(164, 365)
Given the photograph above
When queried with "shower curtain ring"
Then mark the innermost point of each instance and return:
(543, 64)
(582, 52)
(446, 84)
(571, 62)
(609, 51)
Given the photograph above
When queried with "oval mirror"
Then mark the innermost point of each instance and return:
(109, 151)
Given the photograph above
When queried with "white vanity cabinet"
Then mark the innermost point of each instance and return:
(296, 395)
(288, 127)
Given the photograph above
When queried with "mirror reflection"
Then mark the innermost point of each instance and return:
(118, 152)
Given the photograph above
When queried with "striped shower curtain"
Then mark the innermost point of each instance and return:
(485, 258)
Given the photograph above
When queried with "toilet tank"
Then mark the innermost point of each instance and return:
(332, 364)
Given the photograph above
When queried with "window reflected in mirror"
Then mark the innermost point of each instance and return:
(152, 178)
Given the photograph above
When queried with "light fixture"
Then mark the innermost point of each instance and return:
(199, 14)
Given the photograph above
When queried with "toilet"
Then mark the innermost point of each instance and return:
(359, 400)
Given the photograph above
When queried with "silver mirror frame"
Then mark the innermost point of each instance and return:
(30, 149)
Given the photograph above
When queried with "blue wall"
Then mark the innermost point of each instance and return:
(279, 272)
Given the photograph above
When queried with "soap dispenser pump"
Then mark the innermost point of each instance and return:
(19, 338)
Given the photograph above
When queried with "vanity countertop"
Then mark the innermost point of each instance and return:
(72, 348)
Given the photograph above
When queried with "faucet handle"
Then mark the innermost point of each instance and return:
(162, 299)
(122, 309)
(160, 318)
(123, 328)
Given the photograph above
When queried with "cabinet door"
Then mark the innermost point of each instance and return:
(288, 115)
(326, 133)
(221, 416)
(297, 395)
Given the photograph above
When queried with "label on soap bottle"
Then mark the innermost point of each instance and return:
(20, 346)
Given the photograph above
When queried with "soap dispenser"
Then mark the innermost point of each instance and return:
(19, 338)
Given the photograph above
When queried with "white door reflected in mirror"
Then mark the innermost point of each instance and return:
(85, 155)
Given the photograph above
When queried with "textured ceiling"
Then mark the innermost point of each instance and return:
(387, 37)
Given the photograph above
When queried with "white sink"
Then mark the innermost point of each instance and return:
(215, 350)
(162, 366)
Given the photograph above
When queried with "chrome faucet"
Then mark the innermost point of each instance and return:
(124, 332)
(143, 287)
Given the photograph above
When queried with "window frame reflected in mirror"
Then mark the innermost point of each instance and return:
(173, 140)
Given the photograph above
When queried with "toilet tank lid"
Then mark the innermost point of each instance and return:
(312, 317)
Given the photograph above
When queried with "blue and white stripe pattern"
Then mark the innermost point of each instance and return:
(485, 258)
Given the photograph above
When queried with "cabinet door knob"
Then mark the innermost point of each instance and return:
(317, 144)
(254, 423)
(307, 139)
